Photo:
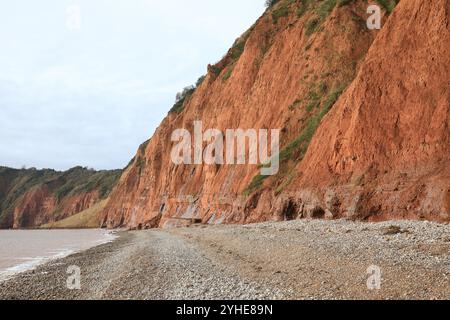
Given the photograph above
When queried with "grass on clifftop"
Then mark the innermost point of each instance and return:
(81, 180)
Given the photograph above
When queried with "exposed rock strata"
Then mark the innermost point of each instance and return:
(382, 152)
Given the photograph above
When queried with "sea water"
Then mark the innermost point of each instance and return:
(22, 250)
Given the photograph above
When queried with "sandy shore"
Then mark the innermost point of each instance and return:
(289, 260)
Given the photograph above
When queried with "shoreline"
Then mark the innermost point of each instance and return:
(31, 263)
(273, 260)
(124, 229)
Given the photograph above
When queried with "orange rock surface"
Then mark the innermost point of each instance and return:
(381, 152)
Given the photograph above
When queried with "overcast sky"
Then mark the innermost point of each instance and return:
(89, 93)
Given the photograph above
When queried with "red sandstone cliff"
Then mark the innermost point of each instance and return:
(40, 206)
(382, 150)
(31, 198)
(387, 150)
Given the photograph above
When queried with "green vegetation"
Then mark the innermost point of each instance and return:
(310, 106)
(296, 149)
(280, 8)
(200, 81)
(302, 8)
(144, 146)
(312, 26)
(87, 219)
(342, 3)
(255, 184)
(331, 100)
(140, 160)
(230, 59)
(234, 54)
(181, 98)
(177, 107)
(14, 184)
(312, 95)
(80, 180)
(323, 87)
(237, 50)
(325, 8)
(228, 73)
(216, 70)
(388, 5)
(322, 9)
(271, 3)
(141, 152)
(283, 11)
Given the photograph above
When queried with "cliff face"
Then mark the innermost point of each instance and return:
(364, 120)
(30, 198)
(387, 150)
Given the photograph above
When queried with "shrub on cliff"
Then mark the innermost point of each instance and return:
(200, 81)
(181, 98)
(271, 3)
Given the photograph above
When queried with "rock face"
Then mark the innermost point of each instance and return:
(363, 114)
(387, 150)
(40, 206)
(30, 198)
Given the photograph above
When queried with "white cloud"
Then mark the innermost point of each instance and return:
(91, 97)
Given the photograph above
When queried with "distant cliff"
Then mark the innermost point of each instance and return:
(363, 114)
(30, 198)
